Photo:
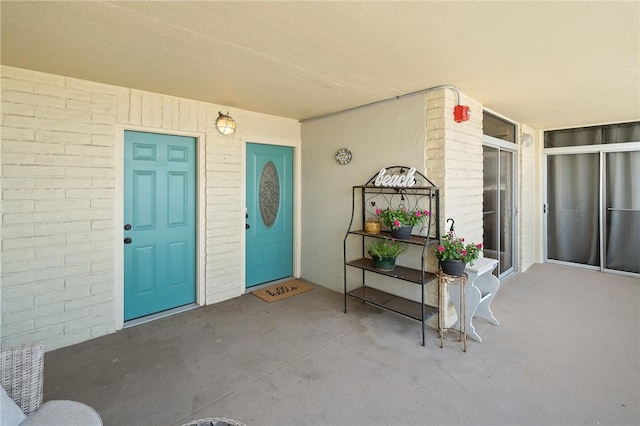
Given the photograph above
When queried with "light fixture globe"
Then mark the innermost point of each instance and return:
(225, 124)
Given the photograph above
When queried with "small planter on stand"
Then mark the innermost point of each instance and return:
(384, 253)
(384, 263)
(452, 267)
(372, 226)
(403, 233)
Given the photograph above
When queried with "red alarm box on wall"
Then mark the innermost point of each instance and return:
(460, 113)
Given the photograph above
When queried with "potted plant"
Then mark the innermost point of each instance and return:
(454, 254)
(384, 253)
(400, 220)
(372, 226)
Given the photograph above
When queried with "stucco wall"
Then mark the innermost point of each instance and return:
(529, 202)
(392, 133)
(62, 205)
(418, 131)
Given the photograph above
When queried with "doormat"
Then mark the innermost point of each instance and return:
(280, 291)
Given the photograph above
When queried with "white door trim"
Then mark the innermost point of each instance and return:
(297, 197)
(118, 281)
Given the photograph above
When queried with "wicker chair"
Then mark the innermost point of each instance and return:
(22, 372)
(21, 377)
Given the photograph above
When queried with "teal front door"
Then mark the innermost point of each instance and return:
(159, 216)
(269, 233)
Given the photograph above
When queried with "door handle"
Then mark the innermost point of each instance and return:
(127, 227)
(247, 226)
(128, 240)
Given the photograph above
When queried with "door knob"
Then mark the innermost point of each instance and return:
(247, 226)
(127, 227)
(128, 240)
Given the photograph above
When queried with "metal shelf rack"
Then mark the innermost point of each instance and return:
(365, 199)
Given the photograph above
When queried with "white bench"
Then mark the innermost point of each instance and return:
(482, 287)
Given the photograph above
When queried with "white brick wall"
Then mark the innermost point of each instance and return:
(59, 148)
(454, 161)
(225, 221)
(47, 188)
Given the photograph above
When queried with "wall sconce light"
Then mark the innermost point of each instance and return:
(225, 124)
(527, 139)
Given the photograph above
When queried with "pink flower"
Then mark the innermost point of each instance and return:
(464, 252)
(418, 213)
(396, 223)
(440, 249)
(479, 245)
(427, 213)
(378, 212)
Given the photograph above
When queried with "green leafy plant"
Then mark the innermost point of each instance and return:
(397, 218)
(387, 247)
(455, 248)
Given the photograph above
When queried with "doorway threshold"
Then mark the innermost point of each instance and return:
(248, 290)
(153, 317)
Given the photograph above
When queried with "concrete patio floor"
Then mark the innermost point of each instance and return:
(567, 352)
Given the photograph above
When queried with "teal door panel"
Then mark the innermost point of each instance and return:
(160, 223)
(269, 239)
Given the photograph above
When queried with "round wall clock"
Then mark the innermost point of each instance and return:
(343, 156)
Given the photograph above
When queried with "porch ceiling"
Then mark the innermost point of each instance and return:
(547, 64)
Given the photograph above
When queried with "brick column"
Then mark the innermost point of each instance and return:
(454, 163)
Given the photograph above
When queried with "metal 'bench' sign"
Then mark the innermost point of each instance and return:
(397, 180)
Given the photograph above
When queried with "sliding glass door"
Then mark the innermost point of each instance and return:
(593, 209)
(498, 206)
(622, 212)
(573, 208)
(592, 202)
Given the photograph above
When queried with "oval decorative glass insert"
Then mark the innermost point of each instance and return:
(269, 194)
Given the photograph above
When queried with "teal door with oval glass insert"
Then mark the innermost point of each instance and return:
(160, 223)
(269, 226)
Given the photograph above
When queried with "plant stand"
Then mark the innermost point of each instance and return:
(365, 199)
(444, 281)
